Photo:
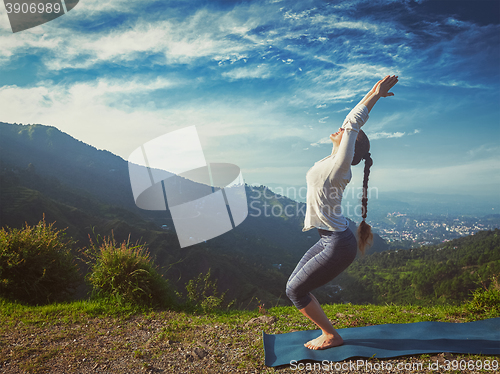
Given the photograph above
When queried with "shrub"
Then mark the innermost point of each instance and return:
(36, 264)
(486, 299)
(125, 273)
(202, 294)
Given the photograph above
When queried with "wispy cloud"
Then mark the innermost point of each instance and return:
(205, 34)
(387, 135)
(261, 71)
(485, 150)
(262, 80)
(325, 140)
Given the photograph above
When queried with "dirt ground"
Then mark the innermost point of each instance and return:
(147, 345)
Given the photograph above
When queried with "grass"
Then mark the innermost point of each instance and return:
(97, 333)
(12, 313)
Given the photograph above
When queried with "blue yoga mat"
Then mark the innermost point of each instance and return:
(392, 340)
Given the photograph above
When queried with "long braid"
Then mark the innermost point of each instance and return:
(364, 200)
(365, 235)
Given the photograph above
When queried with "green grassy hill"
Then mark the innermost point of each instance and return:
(455, 281)
(447, 273)
(247, 281)
(87, 191)
(252, 261)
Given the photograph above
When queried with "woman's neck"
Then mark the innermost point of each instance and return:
(335, 149)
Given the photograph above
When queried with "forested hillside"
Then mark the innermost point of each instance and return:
(248, 279)
(87, 192)
(439, 274)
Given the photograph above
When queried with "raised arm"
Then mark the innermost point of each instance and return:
(381, 89)
(357, 118)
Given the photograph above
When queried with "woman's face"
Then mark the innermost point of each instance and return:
(337, 137)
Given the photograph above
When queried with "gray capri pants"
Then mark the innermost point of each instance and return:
(326, 259)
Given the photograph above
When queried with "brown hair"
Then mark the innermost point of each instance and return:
(362, 151)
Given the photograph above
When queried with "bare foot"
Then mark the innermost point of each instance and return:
(325, 341)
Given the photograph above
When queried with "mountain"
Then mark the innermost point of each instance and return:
(87, 192)
(55, 154)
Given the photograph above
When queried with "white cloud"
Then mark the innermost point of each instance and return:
(261, 71)
(343, 110)
(215, 35)
(91, 8)
(386, 135)
(455, 22)
(484, 150)
(346, 83)
(82, 111)
(313, 96)
(291, 15)
(20, 43)
(341, 54)
(325, 140)
(136, 85)
(110, 114)
(179, 43)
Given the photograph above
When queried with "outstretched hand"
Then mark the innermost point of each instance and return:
(383, 86)
(381, 89)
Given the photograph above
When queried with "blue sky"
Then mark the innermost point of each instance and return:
(266, 82)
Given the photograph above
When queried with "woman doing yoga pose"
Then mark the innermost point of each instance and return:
(337, 247)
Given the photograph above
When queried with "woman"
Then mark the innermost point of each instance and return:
(337, 247)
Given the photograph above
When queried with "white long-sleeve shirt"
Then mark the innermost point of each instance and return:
(327, 179)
